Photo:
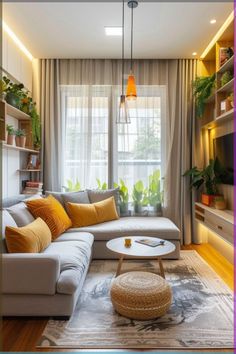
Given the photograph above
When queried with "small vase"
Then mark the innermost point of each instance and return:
(10, 139)
(124, 208)
(22, 141)
(17, 140)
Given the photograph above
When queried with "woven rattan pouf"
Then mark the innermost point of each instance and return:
(141, 295)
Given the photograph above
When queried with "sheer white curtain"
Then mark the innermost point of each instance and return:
(85, 117)
(140, 146)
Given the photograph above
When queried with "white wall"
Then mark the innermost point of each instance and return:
(15, 62)
(18, 65)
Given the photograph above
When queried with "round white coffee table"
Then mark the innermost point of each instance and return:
(139, 250)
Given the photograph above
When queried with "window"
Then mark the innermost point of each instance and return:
(98, 151)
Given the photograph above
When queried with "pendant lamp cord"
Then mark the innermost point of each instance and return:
(123, 44)
(131, 54)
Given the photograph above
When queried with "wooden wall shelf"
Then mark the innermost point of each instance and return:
(13, 147)
(26, 170)
(227, 88)
(229, 65)
(16, 113)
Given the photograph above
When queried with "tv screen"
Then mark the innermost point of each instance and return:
(224, 151)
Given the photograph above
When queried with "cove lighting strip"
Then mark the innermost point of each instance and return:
(218, 35)
(11, 34)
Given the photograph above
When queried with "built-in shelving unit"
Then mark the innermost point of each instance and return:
(218, 107)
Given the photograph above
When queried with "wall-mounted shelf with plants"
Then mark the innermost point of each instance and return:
(17, 103)
(214, 90)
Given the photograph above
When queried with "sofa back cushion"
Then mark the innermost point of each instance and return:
(20, 213)
(80, 197)
(91, 214)
(97, 195)
(33, 238)
(7, 220)
(52, 212)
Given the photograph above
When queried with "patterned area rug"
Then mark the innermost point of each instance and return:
(201, 315)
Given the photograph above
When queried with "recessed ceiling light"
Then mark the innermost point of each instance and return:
(113, 31)
(213, 21)
(194, 53)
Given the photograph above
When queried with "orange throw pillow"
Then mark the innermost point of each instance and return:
(91, 214)
(52, 212)
(33, 238)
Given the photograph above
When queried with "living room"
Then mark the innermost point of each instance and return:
(117, 184)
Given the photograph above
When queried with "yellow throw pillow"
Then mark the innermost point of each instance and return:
(106, 210)
(52, 212)
(91, 214)
(33, 238)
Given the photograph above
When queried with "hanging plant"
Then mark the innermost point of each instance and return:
(202, 90)
(36, 126)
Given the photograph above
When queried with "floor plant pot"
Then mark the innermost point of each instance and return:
(22, 141)
(10, 139)
(13, 100)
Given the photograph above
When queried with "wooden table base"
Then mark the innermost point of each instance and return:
(118, 271)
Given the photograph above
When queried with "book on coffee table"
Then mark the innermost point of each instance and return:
(151, 243)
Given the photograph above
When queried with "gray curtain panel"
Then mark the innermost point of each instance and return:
(180, 130)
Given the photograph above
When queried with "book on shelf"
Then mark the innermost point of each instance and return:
(34, 184)
(32, 190)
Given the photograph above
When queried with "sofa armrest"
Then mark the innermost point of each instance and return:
(27, 273)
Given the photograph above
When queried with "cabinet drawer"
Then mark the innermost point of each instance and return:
(220, 226)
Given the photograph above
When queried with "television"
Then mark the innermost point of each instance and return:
(224, 150)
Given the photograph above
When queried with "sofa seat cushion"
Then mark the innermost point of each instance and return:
(133, 226)
(70, 235)
(74, 259)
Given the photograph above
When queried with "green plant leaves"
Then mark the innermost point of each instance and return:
(202, 90)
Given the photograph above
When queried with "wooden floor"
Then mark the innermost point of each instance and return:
(22, 334)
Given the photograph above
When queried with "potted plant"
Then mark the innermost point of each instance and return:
(220, 203)
(124, 197)
(20, 138)
(202, 90)
(138, 196)
(72, 187)
(208, 178)
(102, 186)
(154, 192)
(14, 92)
(10, 134)
(226, 77)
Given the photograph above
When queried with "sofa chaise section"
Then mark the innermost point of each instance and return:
(131, 226)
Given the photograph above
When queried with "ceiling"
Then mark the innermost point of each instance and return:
(76, 29)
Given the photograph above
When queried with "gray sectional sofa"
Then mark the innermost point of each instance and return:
(49, 283)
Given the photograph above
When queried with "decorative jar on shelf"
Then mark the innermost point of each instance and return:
(208, 199)
(220, 202)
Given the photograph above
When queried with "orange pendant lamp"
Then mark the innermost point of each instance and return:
(131, 91)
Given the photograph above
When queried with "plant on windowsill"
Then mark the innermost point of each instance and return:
(208, 178)
(10, 134)
(124, 197)
(202, 90)
(154, 192)
(20, 138)
(103, 186)
(72, 187)
(139, 197)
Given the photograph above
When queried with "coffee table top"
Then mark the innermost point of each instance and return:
(138, 249)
